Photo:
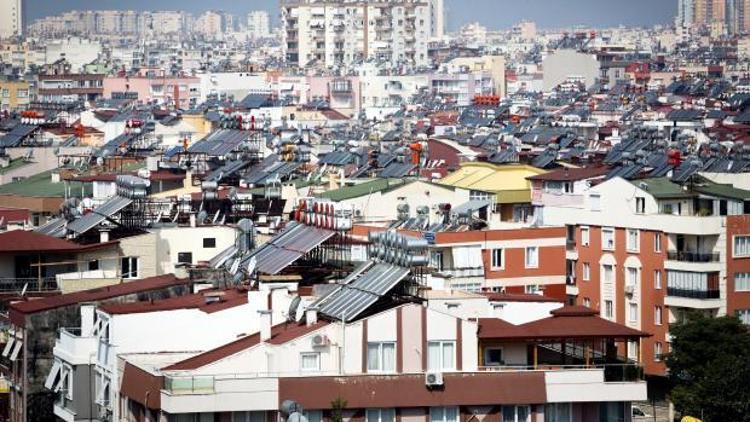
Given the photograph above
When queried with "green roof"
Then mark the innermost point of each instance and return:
(662, 188)
(38, 185)
(722, 191)
(14, 164)
(361, 189)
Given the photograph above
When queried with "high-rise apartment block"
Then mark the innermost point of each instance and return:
(11, 18)
(259, 24)
(342, 32)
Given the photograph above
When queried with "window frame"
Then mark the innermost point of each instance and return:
(501, 255)
(746, 253)
(302, 356)
(657, 279)
(658, 315)
(380, 361)
(605, 246)
(211, 244)
(633, 312)
(526, 257)
(441, 345)
(380, 411)
(609, 309)
(632, 247)
(586, 271)
(444, 417)
(742, 279)
(657, 243)
(585, 236)
(130, 275)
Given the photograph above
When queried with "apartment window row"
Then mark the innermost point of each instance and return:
(742, 282)
(608, 239)
(381, 357)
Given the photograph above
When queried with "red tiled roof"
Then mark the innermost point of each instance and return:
(20, 241)
(111, 177)
(280, 334)
(571, 174)
(566, 322)
(228, 298)
(15, 214)
(96, 295)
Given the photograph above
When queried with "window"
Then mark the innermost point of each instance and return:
(586, 271)
(516, 414)
(585, 238)
(185, 258)
(493, 356)
(436, 260)
(608, 309)
(608, 238)
(243, 416)
(658, 351)
(657, 242)
(129, 267)
(744, 316)
(633, 312)
(657, 279)
(741, 246)
(607, 271)
(443, 414)
(742, 282)
(313, 415)
(381, 357)
(586, 302)
(532, 289)
(632, 350)
(632, 277)
(310, 361)
(657, 315)
(640, 205)
(93, 265)
(557, 412)
(209, 242)
(532, 257)
(380, 415)
(441, 355)
(497, 258)
(595, 201)
(633, 240)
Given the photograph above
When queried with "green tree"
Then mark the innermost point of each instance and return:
(337, 409)
(709, 367)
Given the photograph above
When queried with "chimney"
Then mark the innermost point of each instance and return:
(265, 325)
(311, 316)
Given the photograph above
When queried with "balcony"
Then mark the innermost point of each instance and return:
(693, 294)
(460, 278)
(685, 256)
(75, 348)
(63, 407)
(30, 284)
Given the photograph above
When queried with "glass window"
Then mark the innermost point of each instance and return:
(607, 271)
(532, 257)
(632, 276)
(658, 351)
(381, 357)
(586, 271)
(633, 240)
(493, 356)
(657, 242)
(741, 246)
(608, 309)
(632, 350)
(443, 414)
(595, 201)
(586, 302)
(657, 279)
(313, 415)
(380, 415)
(209, 242)
(310, 361)
(640, 205)
(608, 238)
(633, 312)
(185, 258)
(557, 412)
(497, 258)
(742, 282)
(657, 315)
(441, 355)
(585, 238)
(129, 267)
(516, 413)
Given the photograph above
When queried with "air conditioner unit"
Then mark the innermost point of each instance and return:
(320, 340)
(433, 379)
(629, 289)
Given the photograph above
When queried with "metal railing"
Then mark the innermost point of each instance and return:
(16, 285)
(613, 372)
(684, 256)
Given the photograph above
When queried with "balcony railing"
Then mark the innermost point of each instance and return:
(693, 293)
(613, 372)
(684, 256)
(16, 285)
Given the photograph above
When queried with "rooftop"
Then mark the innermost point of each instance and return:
(207, 301)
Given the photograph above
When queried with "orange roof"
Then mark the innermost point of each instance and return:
(23, 241)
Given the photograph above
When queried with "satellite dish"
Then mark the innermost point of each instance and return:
(293, 308)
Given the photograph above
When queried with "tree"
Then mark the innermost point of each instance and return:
(709, 367)
(337, 409)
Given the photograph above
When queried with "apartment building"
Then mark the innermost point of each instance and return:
(343, 32)
(180, 92)
(12, 18)
(259, 24)
(644, 252)
(15, 94)
(66, 88)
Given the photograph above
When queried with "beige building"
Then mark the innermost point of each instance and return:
(14, 94)
(11, 18)
(494, 65)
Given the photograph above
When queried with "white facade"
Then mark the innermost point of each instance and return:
(258, 24)
(236, 84)
(345, 32)
(562, 65)
(77, 51)
(11, 18)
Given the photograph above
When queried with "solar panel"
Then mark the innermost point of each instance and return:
(101, 213)
(54, 227)
(288, 246)
(350, 301)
